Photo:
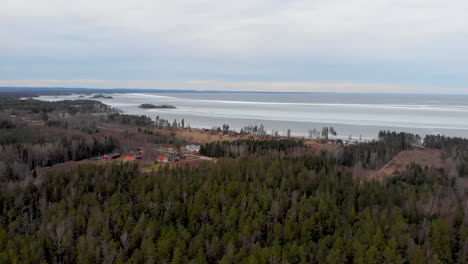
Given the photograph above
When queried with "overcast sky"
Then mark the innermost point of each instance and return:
(314, 45)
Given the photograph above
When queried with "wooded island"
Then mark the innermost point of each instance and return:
(152, 106)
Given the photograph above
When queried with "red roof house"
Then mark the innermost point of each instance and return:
(129, 158)
(162, 158)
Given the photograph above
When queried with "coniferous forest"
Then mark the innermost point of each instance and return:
(261, 201)
(245, 210)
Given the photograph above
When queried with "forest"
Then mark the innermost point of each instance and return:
(373, 154)
(71, 131)
(456, 148)
(35, 106)
(376, 153)
(244, 210)
(262, 201)
(249, 146)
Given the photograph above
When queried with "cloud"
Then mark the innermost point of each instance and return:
(230, 28)
(257, 39)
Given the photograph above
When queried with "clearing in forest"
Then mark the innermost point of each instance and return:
(425, 157)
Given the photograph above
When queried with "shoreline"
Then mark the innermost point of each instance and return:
(278, 123)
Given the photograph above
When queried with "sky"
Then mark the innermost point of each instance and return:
(256, 45)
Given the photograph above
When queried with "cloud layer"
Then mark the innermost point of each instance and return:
(410, 42)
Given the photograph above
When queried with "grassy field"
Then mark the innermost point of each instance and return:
(155, 167)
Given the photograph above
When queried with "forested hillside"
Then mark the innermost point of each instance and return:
(245, 210)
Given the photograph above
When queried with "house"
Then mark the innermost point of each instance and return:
(111, 156)
(193, 148)
(63, 115)
(162, 158)
(129, 158)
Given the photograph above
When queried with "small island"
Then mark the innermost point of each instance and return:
(152, 106)
(101, 96)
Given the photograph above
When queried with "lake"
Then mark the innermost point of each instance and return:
(350, 114)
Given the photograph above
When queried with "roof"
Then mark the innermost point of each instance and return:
(193, 147)
(162, 157)
(129, 158)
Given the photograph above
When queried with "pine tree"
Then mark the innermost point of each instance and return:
(441, 240)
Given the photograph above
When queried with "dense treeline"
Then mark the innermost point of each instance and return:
(137, 120)
(6, 124)
(57, 123)
(24, 134)
(164, 138)
(455, 147)
(377, 153)
(69, 106)
(17, 161)
(144, 121)
(253, 130)
(247, 210)
(248, 146)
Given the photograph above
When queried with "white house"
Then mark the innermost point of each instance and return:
(193, 148)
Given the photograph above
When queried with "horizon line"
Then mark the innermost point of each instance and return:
(127, 89)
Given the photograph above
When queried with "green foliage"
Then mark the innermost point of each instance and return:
(454, 147)
(6, 124)
(246, 210)
(47, 150)
(57, 123)
(441, 240)
(377, 153)
(248, 147)
(137, 120)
